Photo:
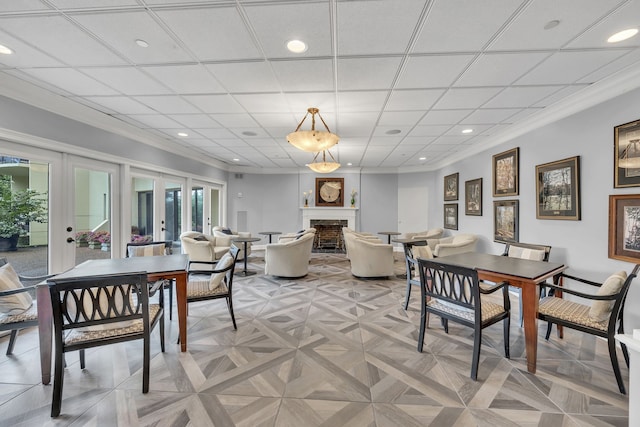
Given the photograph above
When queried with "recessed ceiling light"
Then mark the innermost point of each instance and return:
(349, 164)
(296, 46)
(236, 160)
(467, 131)
(623, 35)
(422, 158)
(142, 43)
(551, 24)
(183, 134)
(393, 132)
(5, 50)
(249, 133)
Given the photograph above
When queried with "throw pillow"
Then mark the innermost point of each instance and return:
(216, 278)
(200, 238)
(227, 231)
(147, 250)
(526, 253)
(600, 310)
(16, 303)
(300, 232)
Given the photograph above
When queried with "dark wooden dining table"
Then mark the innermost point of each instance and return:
(157, 267)
(522, 273)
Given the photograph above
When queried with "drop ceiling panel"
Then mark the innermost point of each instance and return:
(155, 121)
(128, 81)
(217, 134)
(22, 5)
(213, 33)
(399, 118)
(466, 98)
(263, 103)
(276, 24)
(520, 97)
(38, 31)
(499, 69)
(168, 104)
(450, 117)
(215, 103)
(307, 75)
(362, 100)
(468, 27)
(76, 4)
(527, 31)
(624, 62)
(490, 115)
(239, 77)
(71, 81)
(27, 55)
(625, 16)
(235, 120)
(185, 79)
(432, 71)
(407, 100)
(358, 73)
(376, 27)
(301, 101)
(433, 130)
(121, 104)
(195, 120)
(276, 120)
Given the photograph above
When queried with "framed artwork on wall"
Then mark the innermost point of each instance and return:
(505, 173)
(505, 221)
(330, 192)
(558, 189)
(451, 187)
(473, 197)
(451, 216)
(626, 155)
(624, 227)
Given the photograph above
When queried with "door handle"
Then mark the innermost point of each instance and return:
(70, 240)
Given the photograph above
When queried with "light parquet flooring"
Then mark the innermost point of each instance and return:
(325, 350)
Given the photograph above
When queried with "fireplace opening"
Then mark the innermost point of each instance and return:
(328, 235)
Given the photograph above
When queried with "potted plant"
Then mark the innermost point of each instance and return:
(17, 209)
(105, 241)
(82, 238)
(95, 239)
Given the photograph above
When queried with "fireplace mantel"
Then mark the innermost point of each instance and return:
(348, 214)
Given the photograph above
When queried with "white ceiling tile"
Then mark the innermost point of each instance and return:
(520, 97)
(374, 27)
(239, 77)
(276, 24)
(168, 104)
(499, 69)
(219, 134)
(468, 25)
(398, 118)
(305, 75)
(78, 4)
(127, 80)
(132, 26)
(25, 55)
(527, 29)
(71, 81)
(195, 120)
(432, 71)
(156, 121)
(22, 5)
(356, 74)
(432, 130)
(559, 95)
(185, 79)
(465, 98)
(275, 120)
(477, 129)
(215, 103)
(568, 67)
(235, 120)
(212, 34)
(121, 104)
(489, 115)
(418, 99)
(263, 103)
(38, 31)
(627, 61)
(356, 120)
(300, 102)
(361, 101)
(419, 141)
(448, 117)
(626, 16)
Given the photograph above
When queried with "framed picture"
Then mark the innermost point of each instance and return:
(505, 173)
(473, 197)
(451, 187)
(330, 192)
(558, 189)
(626, 155)
(624, 227)
(451, 216)
(505, 221)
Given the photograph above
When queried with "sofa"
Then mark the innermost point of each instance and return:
(290, 258)
(460, 243)
(370, 258)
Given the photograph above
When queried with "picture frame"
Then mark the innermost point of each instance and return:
(330, 192)
(451, 216)
(558, 189)
(626, 155)
(624, 227)
(506, 173)
(451, 187)
(506, 221)
(473, 197)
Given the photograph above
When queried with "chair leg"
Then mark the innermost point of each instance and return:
(58, 378)
(616, 366)
(171, 300)
(477, 341)
(520, 305)
(12, 341)
(146, 361)
(548, 334)
(506, 325)
(82, 359)
(161, 321)
(406, 298)
(230, 306)
(445, 325)
(625, 352)
(423, 322)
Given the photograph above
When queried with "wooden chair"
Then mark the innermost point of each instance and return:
(604, 319)
(158, 248)
(102, 310)
(25, 319)
(411, 264)
(453, 293)
(214, 284)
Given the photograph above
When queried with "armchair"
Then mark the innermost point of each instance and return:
(433, 233)
(287, 237)
(289, 259)
(601, 318)
(349, 235)
(224, 237)
(201, 247)
(18, 310)
(370, 258)
(460, 243)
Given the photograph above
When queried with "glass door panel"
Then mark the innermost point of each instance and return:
(24, 214)
(197, 209)
(214, 208)
(142, 209)
(92, 214)
(173, 212)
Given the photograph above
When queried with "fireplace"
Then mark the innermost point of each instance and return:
(328, 235)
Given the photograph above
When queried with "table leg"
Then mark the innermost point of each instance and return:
(529, 297)
(45, 322)
(181, 301)
(245, 272)
(269, 238)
